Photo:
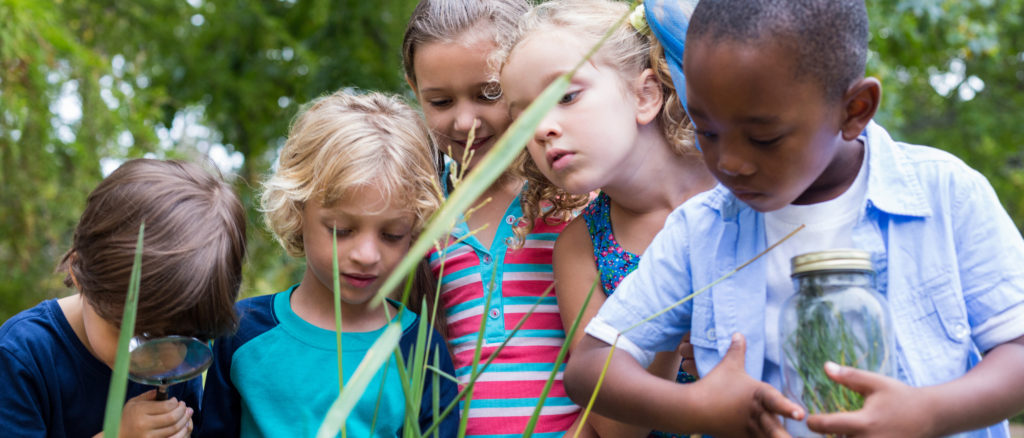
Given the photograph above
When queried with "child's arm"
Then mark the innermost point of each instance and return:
(725, 402)
(143, 417)
(987, 394)
(575, 274)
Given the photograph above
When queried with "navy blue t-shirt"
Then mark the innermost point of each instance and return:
(51, 386)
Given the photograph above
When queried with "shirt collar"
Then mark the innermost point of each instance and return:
(893, 186)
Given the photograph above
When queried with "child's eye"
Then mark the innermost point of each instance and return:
(339, 232)
(768, 142)
(706, 134)
(390, 237)
(440, 103)
(486, 98)
(569, 97)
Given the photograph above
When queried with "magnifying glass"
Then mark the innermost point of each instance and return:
(167, 360)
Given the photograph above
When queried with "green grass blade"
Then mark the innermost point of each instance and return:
(337, 306)
(375, 358)
(119, 377)
(483, 174)
(558, 361)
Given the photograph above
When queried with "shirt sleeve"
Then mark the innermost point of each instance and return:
(20, 399)
(989, 251)
(657, 287)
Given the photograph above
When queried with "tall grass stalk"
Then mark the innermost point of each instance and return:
(119, 377)
(337, 312)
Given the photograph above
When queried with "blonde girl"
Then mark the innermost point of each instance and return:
(619, 129)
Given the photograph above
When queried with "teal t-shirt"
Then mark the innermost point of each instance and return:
(283, 372)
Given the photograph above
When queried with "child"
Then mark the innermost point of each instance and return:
(783, 112)
(619, 129)
(446, 50)
(360, 166)
(57, 356)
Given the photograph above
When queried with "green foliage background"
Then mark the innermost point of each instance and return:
(233, 73)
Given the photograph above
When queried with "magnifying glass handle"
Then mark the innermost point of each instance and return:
(161, 393)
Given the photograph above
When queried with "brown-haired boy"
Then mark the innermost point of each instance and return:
(55, 358)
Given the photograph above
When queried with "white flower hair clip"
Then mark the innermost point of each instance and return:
(638, 19)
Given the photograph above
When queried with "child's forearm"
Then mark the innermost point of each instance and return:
(628, 392)
(987, 394)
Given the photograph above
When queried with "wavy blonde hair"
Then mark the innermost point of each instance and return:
(627, 50)
(345, 142)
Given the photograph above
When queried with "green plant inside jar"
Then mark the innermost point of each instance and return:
(835, 316)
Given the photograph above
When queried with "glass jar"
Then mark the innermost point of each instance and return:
(835, 315)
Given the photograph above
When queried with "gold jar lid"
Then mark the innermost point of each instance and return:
(832, 260)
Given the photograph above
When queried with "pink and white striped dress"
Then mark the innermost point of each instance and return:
(505, 395)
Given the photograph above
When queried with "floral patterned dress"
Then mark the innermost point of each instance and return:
(614, 263)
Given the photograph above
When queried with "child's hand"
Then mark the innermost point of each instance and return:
(145, 417)
(685, 349)
(891, 408)
(738, 405)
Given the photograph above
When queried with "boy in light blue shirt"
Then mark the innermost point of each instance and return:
(783, 115)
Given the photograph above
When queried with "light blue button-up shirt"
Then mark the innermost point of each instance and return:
(948, 257)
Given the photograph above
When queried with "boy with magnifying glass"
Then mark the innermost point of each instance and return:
(56, 358)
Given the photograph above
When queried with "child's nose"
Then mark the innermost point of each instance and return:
(465, 120)
(734, 164)
(547, 130)
(366, 251)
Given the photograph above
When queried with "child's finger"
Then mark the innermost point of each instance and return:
(864, 382)
(737, 352)
(770, 426)
(775, 403)
(184, 427)
(841, 423)
(168, 423)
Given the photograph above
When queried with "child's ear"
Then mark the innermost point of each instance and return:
(860, 104)
(649, 96)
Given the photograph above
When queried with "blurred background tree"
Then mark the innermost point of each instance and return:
(85, 84)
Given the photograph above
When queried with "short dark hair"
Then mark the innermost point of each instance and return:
(192, 256)
(828, 38)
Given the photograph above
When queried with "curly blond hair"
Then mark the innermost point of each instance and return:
(627, 50)
(344, 142)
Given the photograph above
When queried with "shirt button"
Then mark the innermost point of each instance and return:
(711, 334)
(494, 313)
(486, 259)
(509, 241)
(510, 219)
(959, 331)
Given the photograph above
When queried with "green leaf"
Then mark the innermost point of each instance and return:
(119, 378)
(375, 358)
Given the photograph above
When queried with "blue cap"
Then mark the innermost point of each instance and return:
(668, 20)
